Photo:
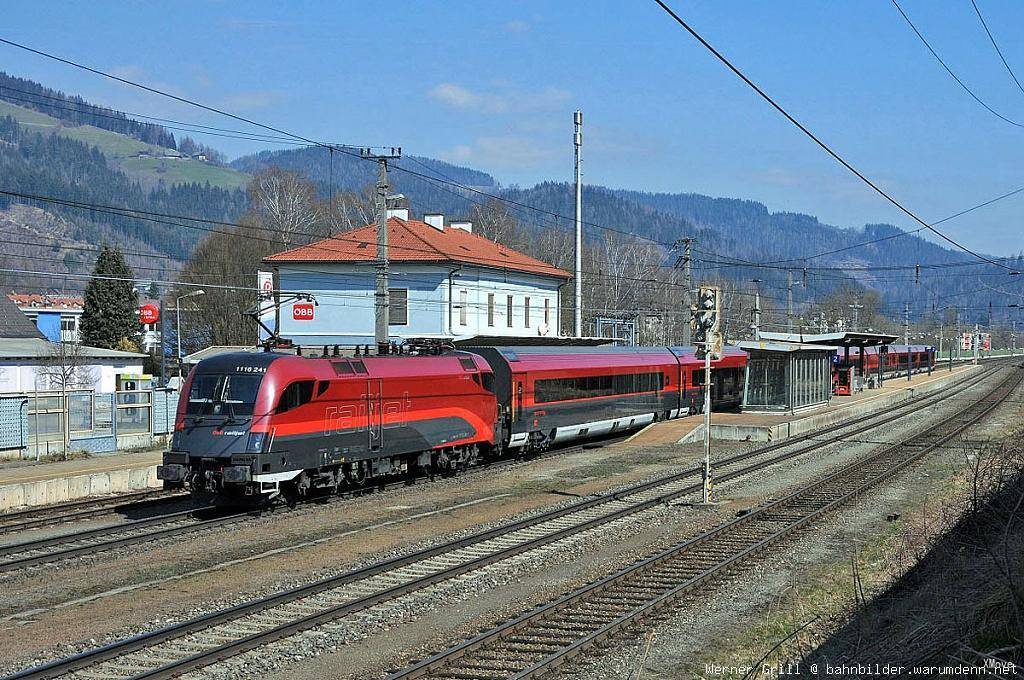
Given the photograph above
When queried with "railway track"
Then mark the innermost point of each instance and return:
(219, 635)
(18, 556)
(548, 637)
(32, 553)
(74, 511)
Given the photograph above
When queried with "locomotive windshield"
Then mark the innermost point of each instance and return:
(227, 394)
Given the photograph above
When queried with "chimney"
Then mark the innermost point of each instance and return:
(436, 220)
(464, 225)
(400, 213)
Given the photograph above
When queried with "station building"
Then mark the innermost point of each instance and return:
(445, 283)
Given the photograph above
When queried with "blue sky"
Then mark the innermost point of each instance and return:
(493, 85)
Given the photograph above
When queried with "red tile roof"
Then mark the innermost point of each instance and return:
(47, 301)
(416, 241)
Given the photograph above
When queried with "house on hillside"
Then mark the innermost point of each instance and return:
(445, 282)
(56, 316)
(59, 317)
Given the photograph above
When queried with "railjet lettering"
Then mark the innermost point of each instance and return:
(356, 417)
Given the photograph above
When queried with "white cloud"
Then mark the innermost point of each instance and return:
(129, 72)
(455, 96)
(249, 100)
(517, 26)
(500, 153)
(503, 99)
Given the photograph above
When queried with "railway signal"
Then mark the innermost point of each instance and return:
(705, 321)
(707, 341)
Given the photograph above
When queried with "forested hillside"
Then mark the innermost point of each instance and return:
(51, 165)
(60, 145)
(345, 172)
(76, 111)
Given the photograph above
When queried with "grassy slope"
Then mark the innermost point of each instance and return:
(121, 151)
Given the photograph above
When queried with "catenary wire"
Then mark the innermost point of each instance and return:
(825, 147)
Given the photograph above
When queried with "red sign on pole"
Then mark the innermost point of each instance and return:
(149, 313)
(302, 311)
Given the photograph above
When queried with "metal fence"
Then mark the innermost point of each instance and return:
(37, 424)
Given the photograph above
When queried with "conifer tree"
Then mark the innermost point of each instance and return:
(110, 315)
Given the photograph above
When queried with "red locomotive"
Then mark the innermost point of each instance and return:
(267, 424)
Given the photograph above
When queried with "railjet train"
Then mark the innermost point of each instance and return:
(272, 424)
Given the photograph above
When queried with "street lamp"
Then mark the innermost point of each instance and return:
(177, 319)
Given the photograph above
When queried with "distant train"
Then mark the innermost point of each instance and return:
(887, 361)
(263, 425)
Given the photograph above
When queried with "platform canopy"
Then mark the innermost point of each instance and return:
(843, 339)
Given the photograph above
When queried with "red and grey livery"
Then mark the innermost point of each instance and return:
(268, 424)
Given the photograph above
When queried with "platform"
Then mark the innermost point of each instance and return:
(768, 427)
(33, 484)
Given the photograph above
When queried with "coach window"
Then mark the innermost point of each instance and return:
(490, 309)
(398, 306)
(463, 307)
(508, 310)
(295, 395)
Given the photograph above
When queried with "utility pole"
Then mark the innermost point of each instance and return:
(975, 342)
(577, 140)
(686, 261)
(755, 326)
(789, 300)
(381, 298)
(163, 338)
(856, 307)
(906, 333)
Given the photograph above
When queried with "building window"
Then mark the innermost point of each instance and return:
(508, 310)
(463, 305)
(67, 323)
(547, 312)
(490, 309)
(398, 306)
(526, 311)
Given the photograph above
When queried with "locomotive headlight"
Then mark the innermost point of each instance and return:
(255, 442)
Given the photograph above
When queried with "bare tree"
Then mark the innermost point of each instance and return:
(66, 368)
(217, 317)
(285, 205)
(348, 210)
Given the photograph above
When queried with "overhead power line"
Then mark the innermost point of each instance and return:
(350, 150)
(825, 147)
(517, 205)
(950, 71)
(992, 39)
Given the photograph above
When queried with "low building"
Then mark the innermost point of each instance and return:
(30, 362)
(55, 395)
(445, 282)
(786, 376)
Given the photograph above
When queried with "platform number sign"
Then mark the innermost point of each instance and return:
(704, 322)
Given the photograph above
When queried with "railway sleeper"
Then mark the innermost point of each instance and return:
(535, 642)
(470, 674)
